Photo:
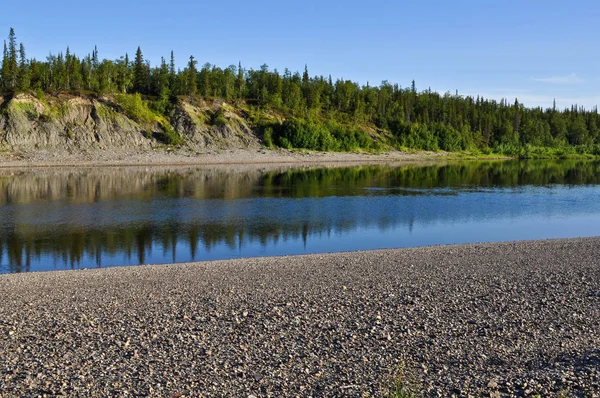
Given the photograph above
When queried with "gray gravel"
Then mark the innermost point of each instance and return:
(506, 319)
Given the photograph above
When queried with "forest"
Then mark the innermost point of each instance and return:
(317, 112)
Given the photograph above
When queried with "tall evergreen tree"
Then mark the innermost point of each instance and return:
(240, 83)
(124, 79)
(68, 69)
(10, 66)
(4, 72)
(306, 86)
(95, 60)
(172, 74)
(24, 74)
(517, 117)
(139, 73)
(163, 84)
(192, 86)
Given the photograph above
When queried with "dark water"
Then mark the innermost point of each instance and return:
(83, 218)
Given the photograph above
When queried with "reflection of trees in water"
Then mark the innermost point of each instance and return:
(23, 243)
(318, 182)
(72, 247)
(94, 185)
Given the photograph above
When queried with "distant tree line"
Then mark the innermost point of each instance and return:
(319, 111)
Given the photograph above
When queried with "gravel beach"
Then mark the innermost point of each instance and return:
(501, 319)
(183, 157)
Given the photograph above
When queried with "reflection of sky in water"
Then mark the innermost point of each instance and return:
(184, 229)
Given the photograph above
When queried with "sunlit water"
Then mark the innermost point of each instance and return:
(72, 218)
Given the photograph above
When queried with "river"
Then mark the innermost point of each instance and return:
(72, 218)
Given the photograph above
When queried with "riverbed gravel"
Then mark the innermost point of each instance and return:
(182, 156)
(500, 319)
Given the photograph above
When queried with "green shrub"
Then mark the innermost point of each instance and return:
(218, 118)
(135, 108)
(39, 94)
(26, 108)
(318, 136)
(268, 137)
(168, 135)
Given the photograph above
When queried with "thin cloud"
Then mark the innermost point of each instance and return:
(568, 79)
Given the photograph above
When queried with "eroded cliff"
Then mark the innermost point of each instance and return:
(88, 123)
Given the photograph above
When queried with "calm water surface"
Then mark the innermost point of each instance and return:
(83, 218)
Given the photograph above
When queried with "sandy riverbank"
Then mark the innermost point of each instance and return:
(225, 157)
(506, 318)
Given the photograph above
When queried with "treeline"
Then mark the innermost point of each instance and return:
(320, 113)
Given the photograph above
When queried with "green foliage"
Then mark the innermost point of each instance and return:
(39, 94)
(105, 112)
(402, 391)
(168, 135)
(268, 137)
(218, 118)
(140, 73)
(135, 108)
(321, 136)
(566, 152)
(23, 107)
(259, 117)
(404, 385)
(10, 66)
(322, 113)
(418, 136)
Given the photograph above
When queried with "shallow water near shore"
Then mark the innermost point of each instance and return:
(70, 218)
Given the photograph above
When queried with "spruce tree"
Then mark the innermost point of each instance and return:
(68, 69)
(95, 61)
(139, 73)
(10, 66)
(173, 76)
(192, 86)
(127, 74)
(172, 66)
(306, 89)
(516, 117)
(24, 74)
(4, 73)
(240, 83)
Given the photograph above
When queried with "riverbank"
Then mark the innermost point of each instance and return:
(505, 318)
(44, 158)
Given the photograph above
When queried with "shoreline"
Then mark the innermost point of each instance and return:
(508, 319)
(50, 159)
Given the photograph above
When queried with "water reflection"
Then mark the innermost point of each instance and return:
(71, 218)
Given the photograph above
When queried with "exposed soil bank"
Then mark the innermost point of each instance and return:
(507, 318)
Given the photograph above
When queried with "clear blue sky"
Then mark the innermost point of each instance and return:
(535, 50)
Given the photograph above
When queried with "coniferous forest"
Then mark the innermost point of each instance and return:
(317, 112)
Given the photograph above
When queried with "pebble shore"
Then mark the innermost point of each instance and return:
(500, 320)
(184, 157)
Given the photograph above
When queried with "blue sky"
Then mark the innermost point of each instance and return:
(533, 50)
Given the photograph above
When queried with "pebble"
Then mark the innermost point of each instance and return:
(470, 320)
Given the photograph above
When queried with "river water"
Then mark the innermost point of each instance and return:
(84, 218)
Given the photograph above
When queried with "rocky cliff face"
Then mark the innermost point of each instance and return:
(215, 126)
(78, 123)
